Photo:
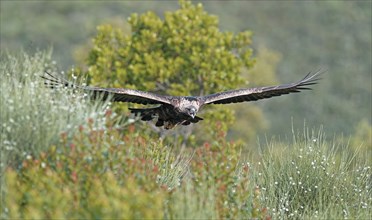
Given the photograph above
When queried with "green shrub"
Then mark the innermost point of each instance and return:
(43, 193)
(183, 54)
(99, 173)
(117, 172)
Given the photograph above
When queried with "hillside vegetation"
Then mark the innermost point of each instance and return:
(92, 166)
(64, 155)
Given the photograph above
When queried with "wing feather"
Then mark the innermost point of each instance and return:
(114, 94)
(254, 94)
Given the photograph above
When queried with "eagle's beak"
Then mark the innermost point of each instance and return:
(192, 112)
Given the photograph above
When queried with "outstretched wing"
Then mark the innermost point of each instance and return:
(114, 94)
(253, 94)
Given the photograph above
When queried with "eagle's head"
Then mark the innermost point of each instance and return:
(189, 106)
(191, 111)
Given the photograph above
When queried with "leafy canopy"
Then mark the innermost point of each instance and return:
(183, 54)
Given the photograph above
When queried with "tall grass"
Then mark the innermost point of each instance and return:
(33, 116)
(312, 178)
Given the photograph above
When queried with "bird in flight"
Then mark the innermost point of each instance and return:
(181, 110)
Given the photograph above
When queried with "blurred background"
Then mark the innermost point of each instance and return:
(291, 38)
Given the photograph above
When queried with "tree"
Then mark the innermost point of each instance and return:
(183, 54)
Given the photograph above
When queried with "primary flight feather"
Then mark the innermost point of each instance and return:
(175, 110)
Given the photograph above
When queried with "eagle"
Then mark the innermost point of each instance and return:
(182, 110)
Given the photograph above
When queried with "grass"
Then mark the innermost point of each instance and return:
(311, 178)
(31, 116)
(63, 156)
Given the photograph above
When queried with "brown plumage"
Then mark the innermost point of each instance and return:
(175, 110)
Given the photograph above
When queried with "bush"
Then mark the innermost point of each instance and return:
(99, 173)
(183, 54)
(117, 172)
(54, 195)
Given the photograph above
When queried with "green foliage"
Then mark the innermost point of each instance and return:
(43, 192)
(218, 165)
(313, 179)
(41, 189)
(32, 116)
(184, 54)
(99, 173)
(111, 172)
(98, 169)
